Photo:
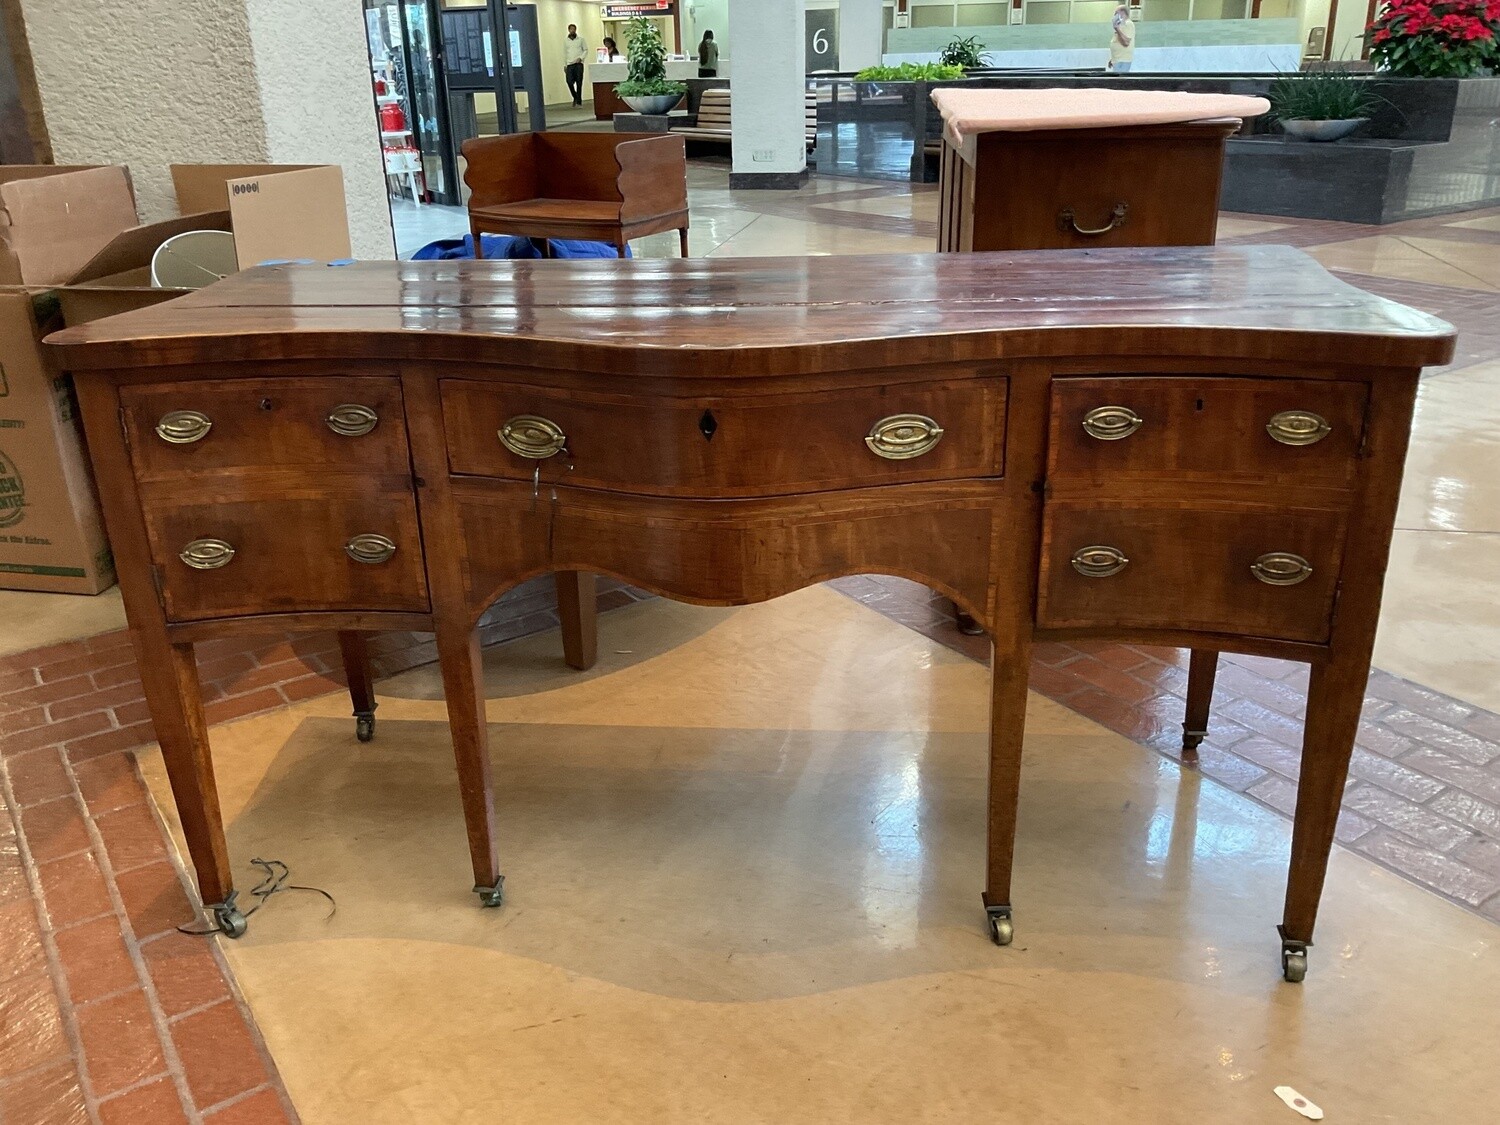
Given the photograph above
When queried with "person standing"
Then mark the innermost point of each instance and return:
(1122, 41)
(574, 50)
(708, 56)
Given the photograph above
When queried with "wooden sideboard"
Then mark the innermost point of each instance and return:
(1191, 446)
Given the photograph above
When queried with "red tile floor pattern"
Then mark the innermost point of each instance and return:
(112, 1016)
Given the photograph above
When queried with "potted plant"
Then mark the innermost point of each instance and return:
(967, 52)
(1443, 39)
(1324, 104)
(646, 89)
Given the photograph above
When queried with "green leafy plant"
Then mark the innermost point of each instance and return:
(1322, 94)
(647, 75)
(910, 72)
(1436, 38)
(967, 52)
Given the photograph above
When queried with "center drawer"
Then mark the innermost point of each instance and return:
(729, 446)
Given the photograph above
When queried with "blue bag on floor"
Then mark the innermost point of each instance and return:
(510, 246)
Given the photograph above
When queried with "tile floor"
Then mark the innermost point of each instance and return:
(110, 1015)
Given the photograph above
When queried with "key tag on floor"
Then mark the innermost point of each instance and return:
(1299, 1103)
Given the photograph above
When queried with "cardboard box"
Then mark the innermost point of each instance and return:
(53, 219)
(273, 210)
(51, 534)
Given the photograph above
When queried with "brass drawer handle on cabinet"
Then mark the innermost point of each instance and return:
(1298, 427)
(352, 420)
(1111, 423)
(183, 427)
(1068, 221)
(207, 554)
(903, 436)
(370, 549)
(1099, 561)
(1281, 568)
(529, 435)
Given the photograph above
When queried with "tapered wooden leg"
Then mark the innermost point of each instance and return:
(682, 240)
(1008, 683)
(478, 241)
(169, 675)
(361, 683)
(463, 687)
(1335, 697)
(1203, 665)
(621, 245)
(578, 608)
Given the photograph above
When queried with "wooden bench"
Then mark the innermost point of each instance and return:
(711, 123)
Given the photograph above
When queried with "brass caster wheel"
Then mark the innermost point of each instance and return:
(492, 896)
(364, 727)
(231, 922)
(966, 624)
(1293, 965)
(1002, 930)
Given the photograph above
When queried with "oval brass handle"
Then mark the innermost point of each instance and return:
(183, 427)
(1111, 423)
(1068, 221)
(352, 420)
(529, 435)
(1099, 561)
(370, 549)
(1298, 427)
(901, 437)
(207, 554)
(1281, 568)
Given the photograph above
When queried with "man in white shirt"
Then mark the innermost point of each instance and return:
(574, 50)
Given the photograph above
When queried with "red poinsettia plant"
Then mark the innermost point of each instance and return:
(1436, 38)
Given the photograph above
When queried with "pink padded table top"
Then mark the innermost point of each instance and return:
(968, 112)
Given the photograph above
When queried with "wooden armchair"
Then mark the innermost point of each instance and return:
(609, 187)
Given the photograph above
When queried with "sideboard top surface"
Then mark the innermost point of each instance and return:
(748, 316)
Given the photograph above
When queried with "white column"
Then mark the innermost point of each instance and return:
(861, 32)
(767, 99)
(150, 83)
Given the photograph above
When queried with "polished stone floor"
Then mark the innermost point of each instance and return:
(743, 859)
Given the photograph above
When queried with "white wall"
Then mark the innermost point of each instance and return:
(150, 83)
(552, 19)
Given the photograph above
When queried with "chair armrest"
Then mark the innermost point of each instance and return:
(653, 177)
(501, 170)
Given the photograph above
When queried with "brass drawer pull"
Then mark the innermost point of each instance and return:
(1068, 221)
(1111, 423)
(1099, 561)
(528, 435)
(370, 549)
(183, 427)
(207, 554)
(1298, 427)
(1281, 568)
(903, 436)
(352, 420)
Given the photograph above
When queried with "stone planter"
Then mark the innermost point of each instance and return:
(1330, 130)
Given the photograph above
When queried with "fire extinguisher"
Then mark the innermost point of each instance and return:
(392, 120)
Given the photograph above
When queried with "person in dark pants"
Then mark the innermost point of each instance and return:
(574, 50)
(708, 56)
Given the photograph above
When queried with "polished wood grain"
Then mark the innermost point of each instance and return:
(730, 446)
(793, 361)
(1038, 190)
